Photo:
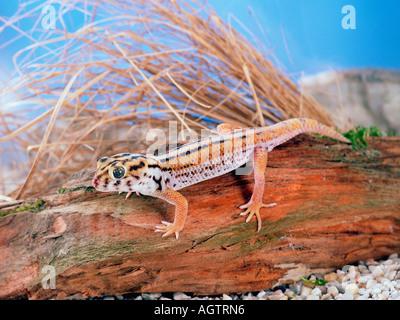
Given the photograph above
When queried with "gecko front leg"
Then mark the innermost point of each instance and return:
(181, 208)
(260, 158)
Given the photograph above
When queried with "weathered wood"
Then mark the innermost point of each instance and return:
(334, 206)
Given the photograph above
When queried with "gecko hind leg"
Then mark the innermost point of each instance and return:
(260, 158)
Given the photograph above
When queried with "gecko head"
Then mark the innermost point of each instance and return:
(121, 172)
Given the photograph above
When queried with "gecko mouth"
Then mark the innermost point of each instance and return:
(108, 186)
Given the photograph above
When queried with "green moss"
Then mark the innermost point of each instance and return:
(100, 250)
(62, 190)
(85, 189)
(358, 136)
(375, 132)
(317, 282)
(37, 206)
(246, 239)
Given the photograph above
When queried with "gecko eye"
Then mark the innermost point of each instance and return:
(118, 172)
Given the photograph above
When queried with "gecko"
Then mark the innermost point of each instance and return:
(163, 175)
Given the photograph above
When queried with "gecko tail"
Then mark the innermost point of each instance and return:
(313, 126)
(283, 131)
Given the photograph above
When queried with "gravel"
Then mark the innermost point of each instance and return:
(368, 280)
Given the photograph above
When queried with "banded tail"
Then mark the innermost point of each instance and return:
(286, 130)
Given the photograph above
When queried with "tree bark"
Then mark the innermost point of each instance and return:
(335, 206)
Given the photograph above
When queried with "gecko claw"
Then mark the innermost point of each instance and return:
(128, 195)
(254, 209)
(169, 228)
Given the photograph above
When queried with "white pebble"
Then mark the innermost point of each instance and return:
(278, 293)
(362, 279)
(347, 296)
(370, 283)
(226, 297)
(333, 291)
(395, 294)
(262, 295)
(305, 291)
(375, 291)
(391, 275)
(316, 292)
(348, 277)
(363, 269)
(387, 262)
(351, 288)
(340, 272)
(352, 269)
(326, 296)
(151, 296)
(248, 297)
(289, 293)
(365, 281)
(346, 268)
(394, 256)
(388, 285)
(378, 271)
(180, 296)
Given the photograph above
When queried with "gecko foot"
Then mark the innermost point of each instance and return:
(254, 208)
(169, 228)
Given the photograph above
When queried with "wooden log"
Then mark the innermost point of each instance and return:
(335, 206)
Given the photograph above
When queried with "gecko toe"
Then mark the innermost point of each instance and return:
(168, 228)
(254, 209)
(268, 205)
(245, 206)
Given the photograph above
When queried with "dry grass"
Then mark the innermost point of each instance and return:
(137, 65)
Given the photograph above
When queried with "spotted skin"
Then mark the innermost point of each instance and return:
(161, 176)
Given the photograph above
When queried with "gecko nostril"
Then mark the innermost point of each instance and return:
(95, 182)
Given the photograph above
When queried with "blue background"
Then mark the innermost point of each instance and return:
(305, 36)
(314, 35)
